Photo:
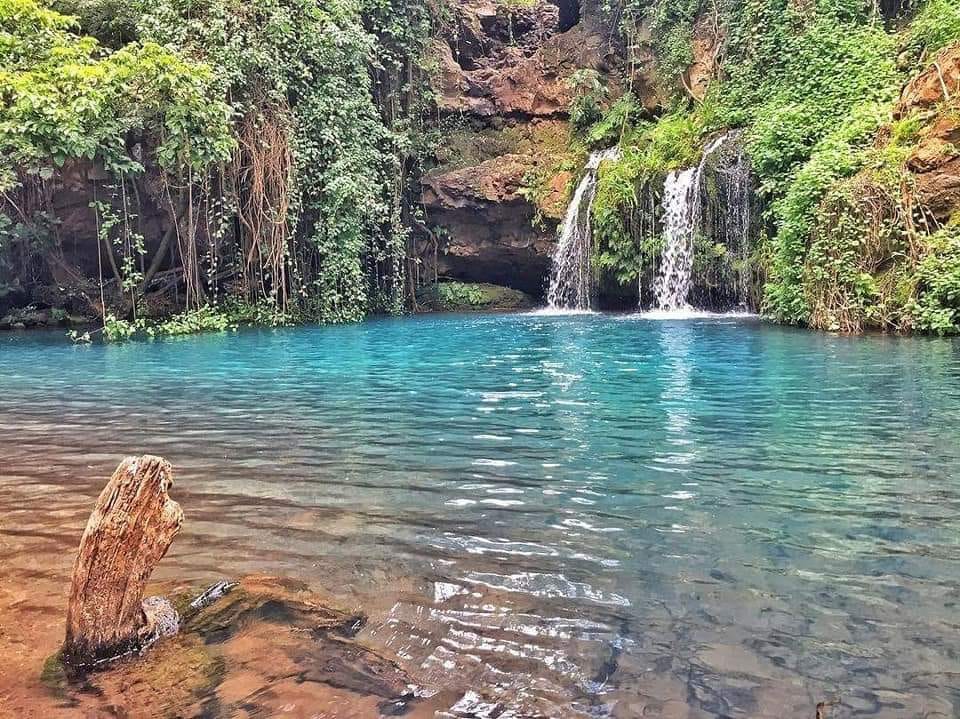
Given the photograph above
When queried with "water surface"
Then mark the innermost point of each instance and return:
(549, 516)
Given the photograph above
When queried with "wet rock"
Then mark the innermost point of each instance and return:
(266, 644)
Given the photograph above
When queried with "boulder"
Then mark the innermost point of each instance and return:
(471, 297)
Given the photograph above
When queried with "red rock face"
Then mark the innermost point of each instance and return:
(518, 79)
(506, 65)
(940, 82)
(935, 162)
(707, 41)
(488, 230)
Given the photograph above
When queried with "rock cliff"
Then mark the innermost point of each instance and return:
(934, 97)
(503, 90)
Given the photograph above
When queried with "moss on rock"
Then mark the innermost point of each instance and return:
(471, 297)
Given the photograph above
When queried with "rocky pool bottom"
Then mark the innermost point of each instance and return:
(577, 516)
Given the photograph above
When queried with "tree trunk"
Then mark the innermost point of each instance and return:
(129, 531)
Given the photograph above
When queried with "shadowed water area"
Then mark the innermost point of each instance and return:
(542, 516)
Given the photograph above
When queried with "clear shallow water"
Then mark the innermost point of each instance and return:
(569, 516)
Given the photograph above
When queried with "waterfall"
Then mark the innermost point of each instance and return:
(673, 281)
(683, 212)
(571, 277)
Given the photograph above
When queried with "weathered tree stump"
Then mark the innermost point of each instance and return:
(128, 533)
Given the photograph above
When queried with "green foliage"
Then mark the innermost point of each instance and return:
(312, 62)
(812, 85)
(588, 94)
(328, 98)
(65, 98)
(936, 25)
(671, 26)
(227, 317)
(837, 156)
(820, 74)
(458, 294)
(610, 128)
(114, 329)
(937, 282)
(816, 131)
(287, 126)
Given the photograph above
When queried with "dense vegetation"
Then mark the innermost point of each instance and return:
(275, 135)
(844, 244)
(278, 141)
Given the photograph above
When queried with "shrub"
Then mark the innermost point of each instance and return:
(937, 284)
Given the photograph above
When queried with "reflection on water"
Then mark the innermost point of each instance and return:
(543, 516)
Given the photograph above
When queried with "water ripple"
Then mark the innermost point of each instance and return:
(545, 515)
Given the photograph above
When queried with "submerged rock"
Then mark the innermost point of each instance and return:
(262, 645)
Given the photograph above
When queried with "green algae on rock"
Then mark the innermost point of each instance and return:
(471, 296)
(231, 656)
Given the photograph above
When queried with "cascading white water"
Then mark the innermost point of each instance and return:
(682, 218)
(672, 284)
(571, 277)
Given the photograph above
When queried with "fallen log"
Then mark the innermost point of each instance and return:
(128, 533)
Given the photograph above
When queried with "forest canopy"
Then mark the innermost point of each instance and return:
(261, 161)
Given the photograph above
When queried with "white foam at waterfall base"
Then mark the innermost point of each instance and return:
(571, 276)
(688, 313)
(560, 312)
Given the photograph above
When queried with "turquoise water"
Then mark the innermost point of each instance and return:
(561, 516)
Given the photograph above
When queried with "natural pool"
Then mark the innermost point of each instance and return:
(562, 516)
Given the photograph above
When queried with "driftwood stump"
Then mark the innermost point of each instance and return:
(128, 533)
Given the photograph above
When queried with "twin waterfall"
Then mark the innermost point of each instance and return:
(688, 209)
(571, 279)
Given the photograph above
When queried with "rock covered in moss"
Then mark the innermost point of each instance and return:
(264, 643)
(471, 297)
